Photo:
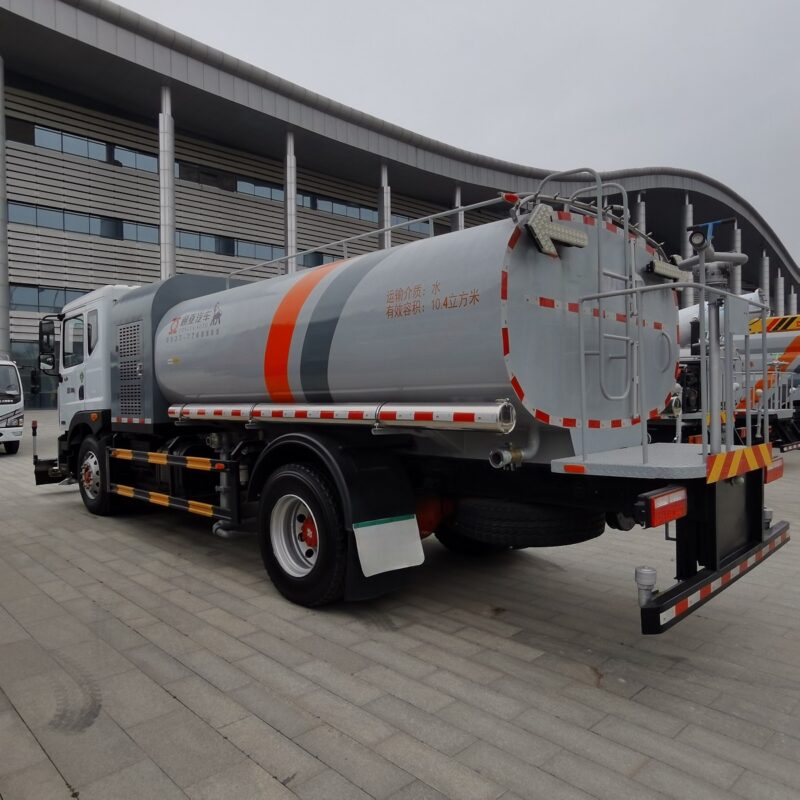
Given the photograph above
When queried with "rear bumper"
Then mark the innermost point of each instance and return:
(675, 604)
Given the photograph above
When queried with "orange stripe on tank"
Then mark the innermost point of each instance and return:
(281, 330)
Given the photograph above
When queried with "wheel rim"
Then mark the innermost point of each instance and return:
(90, 476)
(294, 535)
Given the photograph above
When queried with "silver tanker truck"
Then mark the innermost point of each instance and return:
(491, 386)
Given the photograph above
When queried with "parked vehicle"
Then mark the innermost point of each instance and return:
(491, 386)
(12, 411)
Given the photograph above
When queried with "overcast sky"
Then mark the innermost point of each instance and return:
(708, 85)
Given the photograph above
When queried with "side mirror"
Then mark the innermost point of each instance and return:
(47, 338)
(36, 381)
(47, 364)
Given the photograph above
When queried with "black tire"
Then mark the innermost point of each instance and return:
(12, 448)
(324, 582)
(509, 524)
(455, 542)
(93, 493)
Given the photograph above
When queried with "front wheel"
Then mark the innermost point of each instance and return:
(92, 478)
(12, 448)
(301, 534)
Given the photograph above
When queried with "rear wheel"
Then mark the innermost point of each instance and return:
(12, 448)
(301, 534)
(92, 478)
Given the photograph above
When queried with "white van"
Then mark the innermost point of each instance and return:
(11, 408)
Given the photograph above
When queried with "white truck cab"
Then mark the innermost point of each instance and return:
(11, 406)
(85, 379)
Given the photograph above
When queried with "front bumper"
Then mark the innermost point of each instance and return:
(10, 434)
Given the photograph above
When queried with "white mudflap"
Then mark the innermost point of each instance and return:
(387, 544)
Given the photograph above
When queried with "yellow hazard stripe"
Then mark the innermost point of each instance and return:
(125, 455)
(777, 324)
(723, 466)
(157, 458)
(158, 499)
(125, 491)
(196, 462)
(204, 509)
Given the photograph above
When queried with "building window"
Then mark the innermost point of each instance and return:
(41, 299)
(227, 246)
(19, 130)
(315, 260)
(75, 222)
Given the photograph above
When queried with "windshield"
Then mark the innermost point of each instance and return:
(9, 383)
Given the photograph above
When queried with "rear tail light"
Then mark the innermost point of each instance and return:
(773, 471)
(661, 506)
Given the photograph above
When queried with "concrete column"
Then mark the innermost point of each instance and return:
(166, 179)
(5, 291)
(792, 301)
(764, 280)
(290, 203)
(385, 208)
(687, 219)
(779, 308)
(457, 220)
(641, 213)
(736, 269)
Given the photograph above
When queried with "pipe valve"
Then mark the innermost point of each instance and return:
(646, 583)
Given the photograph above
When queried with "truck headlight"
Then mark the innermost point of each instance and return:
(17, 422)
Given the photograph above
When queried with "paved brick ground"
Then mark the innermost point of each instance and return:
(142, 658)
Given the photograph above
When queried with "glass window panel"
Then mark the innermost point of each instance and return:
(93, 330)
(147, 233)
(304, 200)
(177, 169)
(73, 294)
(369, 214)
(19, 130)
(263, 252)
(324, 205)
(51, 299)
(339, 208)
(129, 231)
(22, 213)
(208, 243)
(50, 218)
(278, 251)
(189, 240)
(110, 228)
(277, 194)
(245, 249)
(24, 298)
(123, 157)
(97, 150)
(75, 145)
(77, 223)
(45, 137)
(94, 226)
(244, 186)
(353, 211)
(146, 162)
(226, 245)
(72, 342)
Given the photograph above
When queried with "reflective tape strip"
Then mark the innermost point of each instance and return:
(132, 420)
(574, 308)
(723, 466)
(167, 459)
(706, 590)
(167, 501)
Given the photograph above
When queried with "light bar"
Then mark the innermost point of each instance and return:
(666, 270)
(661, 506)
(774, 471)
(546, 231)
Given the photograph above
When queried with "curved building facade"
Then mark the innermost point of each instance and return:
(131, 150)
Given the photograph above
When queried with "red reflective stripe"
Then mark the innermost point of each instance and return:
(587, 220)
(463, 416)
(622, 317)
(504, 284)
(326, 415)
(636, 420)
(594, 423)
(610, 226)
(616, 423)
(570, 422)
(422, 416)
(573, 307)
(388, 415)
(278, 412)
(547, 302)
(506, 349)
(542, 416)
(355, 415)
(565, 215)
(517, 387)
(301, 414)
(705, 591)
(236, 412)
(654, 414)
(682, 606)
(218, 412)
(650, 249)
(658, 326)
(201, 412)
(512, 242)
(577, 469)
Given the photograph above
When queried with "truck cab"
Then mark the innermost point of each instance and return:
(11, 406)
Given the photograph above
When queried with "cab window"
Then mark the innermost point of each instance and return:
(93, 330)
(72, 347)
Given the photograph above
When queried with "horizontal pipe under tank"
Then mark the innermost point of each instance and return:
(499, 417)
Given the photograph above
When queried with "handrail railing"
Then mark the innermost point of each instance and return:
(706, 412)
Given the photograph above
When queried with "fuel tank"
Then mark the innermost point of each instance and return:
(475, 315)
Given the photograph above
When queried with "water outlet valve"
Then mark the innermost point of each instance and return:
(646, 583)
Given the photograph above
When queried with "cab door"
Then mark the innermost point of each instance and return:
(72, 387)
